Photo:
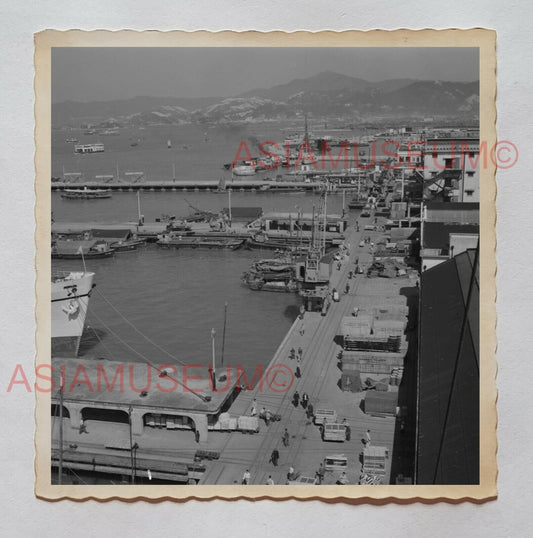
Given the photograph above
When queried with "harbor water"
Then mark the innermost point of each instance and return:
(174, 298)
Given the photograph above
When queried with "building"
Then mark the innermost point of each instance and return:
(447, 432)
(451, 169)
(447, 229)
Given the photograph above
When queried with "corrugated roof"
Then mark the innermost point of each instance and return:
(448, 391)
(437, 234)
(447, 206)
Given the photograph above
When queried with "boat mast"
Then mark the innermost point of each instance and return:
(139, 207)
(213, 333)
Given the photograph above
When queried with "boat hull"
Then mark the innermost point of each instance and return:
(86, 256)
(70, 294)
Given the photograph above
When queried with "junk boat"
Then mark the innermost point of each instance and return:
(179, 240)
(275, 274)
(86, 194)
(86, 248)
(70, 298)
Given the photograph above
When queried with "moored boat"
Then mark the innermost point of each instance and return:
(178, 240)
(82, 249)
(70, 292)
(86, 194)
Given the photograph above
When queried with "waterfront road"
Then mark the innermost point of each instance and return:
(318, 337)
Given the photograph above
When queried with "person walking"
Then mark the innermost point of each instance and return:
(298, 372)
(290, 473)
(296, 399)
(320, 474)
(268, 417)
(305, 400)
(246, 477)
(274, 457)
(300, 352)
(347, 430)
(253, 412)
(368, 438)
(347, 289)
(310, 411)
(269, 481)
(285, 438)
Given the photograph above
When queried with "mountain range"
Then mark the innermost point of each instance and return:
(325, 94)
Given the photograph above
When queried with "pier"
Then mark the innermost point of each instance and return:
(250, 185)
(316, 335)
(274, 387)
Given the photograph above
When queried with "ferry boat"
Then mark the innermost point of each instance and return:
(89, 148)
(86, 194)
(70, 298)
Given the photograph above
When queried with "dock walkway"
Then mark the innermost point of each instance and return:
(320, 380)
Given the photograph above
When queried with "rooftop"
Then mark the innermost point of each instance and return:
(185, 387)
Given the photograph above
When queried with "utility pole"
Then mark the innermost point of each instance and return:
(132, 463)
(60, 468)
(213, 333)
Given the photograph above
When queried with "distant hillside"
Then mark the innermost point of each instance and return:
(69, 111)
(324, 94)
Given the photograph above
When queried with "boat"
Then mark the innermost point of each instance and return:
(70, 298)
(86, 194)
(127, 245)
(72, 140)
(178, 240)
(357, 203)
(89, 148)
(244, 170)
(81, 249)
(272, 274)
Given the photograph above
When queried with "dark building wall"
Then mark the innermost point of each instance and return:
(448, 387)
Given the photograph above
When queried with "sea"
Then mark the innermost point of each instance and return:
(160, 305)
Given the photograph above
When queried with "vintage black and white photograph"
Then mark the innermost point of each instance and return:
(265, 268)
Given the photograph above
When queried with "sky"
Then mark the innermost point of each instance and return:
(104, 74)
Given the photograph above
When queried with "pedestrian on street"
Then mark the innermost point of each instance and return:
(347, 430)
(302, 330)
(300, 352)
(296, 399)
(246, 477)
(347, 289)
(269, 481)
(274, 457)
(310, 411)
(292, 353)
(290, 473)
(268, 417)
(262, 414)
(298, 372)
(285, 438)
(320, 474)
(368, 438)
(339, 265)
(253, 412)
(305, 400)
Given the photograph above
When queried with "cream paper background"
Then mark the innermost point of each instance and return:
(509, 515)
(486, 41)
